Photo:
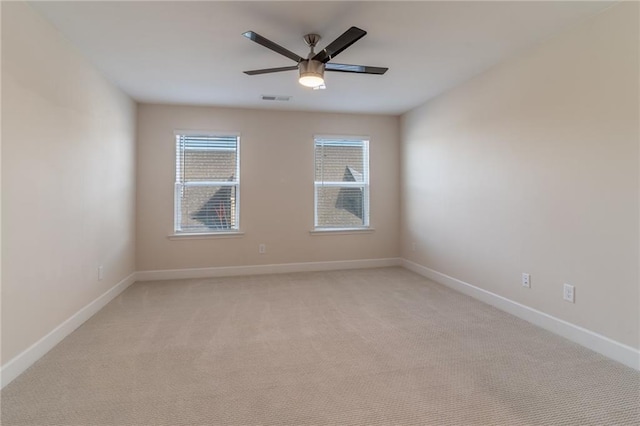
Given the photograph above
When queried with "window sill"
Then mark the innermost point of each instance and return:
(340, 231)
(205, 236)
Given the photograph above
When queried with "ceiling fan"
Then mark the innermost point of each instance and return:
(313, 67)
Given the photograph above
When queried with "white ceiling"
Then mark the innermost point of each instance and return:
(193, 52)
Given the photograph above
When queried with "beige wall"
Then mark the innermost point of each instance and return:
(68, 180)
(533, 167)
(276, 184)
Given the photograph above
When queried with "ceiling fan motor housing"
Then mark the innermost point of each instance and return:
(311, 70)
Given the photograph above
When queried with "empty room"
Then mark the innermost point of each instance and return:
(320, 213)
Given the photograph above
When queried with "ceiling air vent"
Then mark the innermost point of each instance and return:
(275, 98)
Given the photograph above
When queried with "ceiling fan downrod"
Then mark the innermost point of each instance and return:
(311, 40)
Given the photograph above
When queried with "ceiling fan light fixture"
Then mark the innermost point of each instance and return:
(311, 80)
(311, 73)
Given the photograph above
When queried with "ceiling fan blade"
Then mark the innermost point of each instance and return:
(349, 37)
(270, 70)
(360, 69)
(273, 46)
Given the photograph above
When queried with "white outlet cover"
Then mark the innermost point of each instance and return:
(526, 280)
(569, 293)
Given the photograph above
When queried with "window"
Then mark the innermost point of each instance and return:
(207, 183)
(341, 183)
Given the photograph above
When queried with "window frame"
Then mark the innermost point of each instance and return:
(365, 185)
(178, 185)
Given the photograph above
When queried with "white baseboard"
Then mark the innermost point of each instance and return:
(596, 342)
(610, 348)
(26, 358)
(281, 268)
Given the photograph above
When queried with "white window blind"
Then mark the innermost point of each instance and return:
(341, 183)
(207, 185)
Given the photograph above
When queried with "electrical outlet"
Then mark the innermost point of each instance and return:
(526, 280)
(100, 273)
(569, 293)
(262, 248)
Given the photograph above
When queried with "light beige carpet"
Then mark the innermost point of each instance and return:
(366, 347)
